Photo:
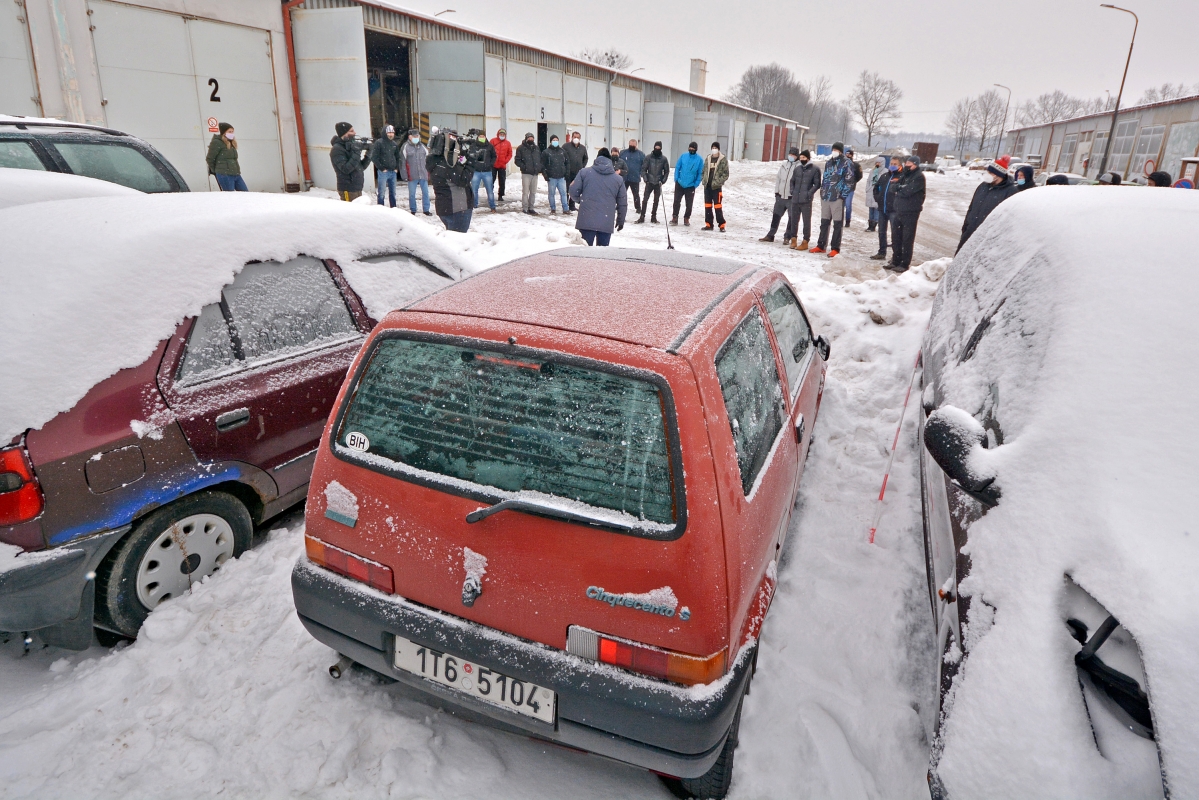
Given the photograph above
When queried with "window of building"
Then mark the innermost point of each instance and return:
(1126, 134)
(1149, 146)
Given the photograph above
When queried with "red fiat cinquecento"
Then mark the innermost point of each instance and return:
(552, 498)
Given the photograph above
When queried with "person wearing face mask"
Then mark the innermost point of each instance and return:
(576, 156)
(413, 158)
(853, 186)
(386, 157)
(655, 170)
(602, 199)
(222, 160)
(528, 161)
(884, 199)
(909, 202)
(1024, 178)
(634, 159)
(805, 185)
(987, 197)
(349, 159)
(451, 174)
(618, 164)
(555, 168)
(503, 154)
(880, 166)
(782, 198)
(837, 182)
(716, 172)
(688, 171)
(482, 161)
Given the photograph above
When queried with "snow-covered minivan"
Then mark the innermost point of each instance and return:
(552, 498)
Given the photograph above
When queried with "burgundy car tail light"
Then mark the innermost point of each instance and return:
(652, 661)
(346, 563)
(21, 497)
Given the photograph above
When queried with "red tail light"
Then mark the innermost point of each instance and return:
(21, 497)
(346, 563)
(653, 661)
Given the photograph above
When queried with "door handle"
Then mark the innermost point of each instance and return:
(232, 419)
(799, 429)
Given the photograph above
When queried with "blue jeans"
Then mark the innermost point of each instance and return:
(848, 206)
(387, 179)
(596, 238)
(873, 215)
(558, 185)
(483, 178)
(231, 183)
(424, 194)
(459, 222)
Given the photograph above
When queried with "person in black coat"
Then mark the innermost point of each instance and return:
(805, 187)
(385, 155)
(451, 174)
(909, 202)
(528, 161)
(480, 154)
(885, 187)
(349, 159)
(987, 198)
(654, 170)
(1025, 178)
(576, 152)
(556, 167)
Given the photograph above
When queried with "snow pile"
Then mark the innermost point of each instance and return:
(23, 186)
(1084, 356)
(71, 268)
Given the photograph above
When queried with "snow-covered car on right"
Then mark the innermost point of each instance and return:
(1059, 469)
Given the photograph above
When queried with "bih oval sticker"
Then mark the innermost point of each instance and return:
(357, 441)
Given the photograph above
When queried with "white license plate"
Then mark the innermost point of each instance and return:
(486, 684)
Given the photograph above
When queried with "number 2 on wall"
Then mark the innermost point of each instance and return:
(216, 87)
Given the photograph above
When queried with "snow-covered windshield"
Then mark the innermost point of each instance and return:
(516, 424)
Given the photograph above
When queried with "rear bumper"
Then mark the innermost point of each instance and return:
(602, 710)
(46, 587)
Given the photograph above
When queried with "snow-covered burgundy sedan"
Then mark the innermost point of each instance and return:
(169, 365)
(1060, 467)
(552, 496)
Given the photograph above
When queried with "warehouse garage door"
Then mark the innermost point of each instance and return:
(18, 95)
(165, 76)
(597, 116)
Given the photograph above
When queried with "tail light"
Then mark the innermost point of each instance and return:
(21, 497)
(653, 661)
(346, 563)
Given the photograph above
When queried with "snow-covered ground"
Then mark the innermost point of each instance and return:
(226, 694)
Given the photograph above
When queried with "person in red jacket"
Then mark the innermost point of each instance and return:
(503, 154)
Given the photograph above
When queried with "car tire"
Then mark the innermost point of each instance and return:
(713, 784)
(152, 564)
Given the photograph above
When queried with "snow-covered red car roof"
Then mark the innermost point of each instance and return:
(93, 285)
(1069, 320)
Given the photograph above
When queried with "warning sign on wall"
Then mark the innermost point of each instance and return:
(213, 126)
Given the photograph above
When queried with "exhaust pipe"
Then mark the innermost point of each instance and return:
(343, 664)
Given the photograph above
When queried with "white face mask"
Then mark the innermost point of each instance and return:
(229, 135)
(715, 151)
(791, 158)
(502, 137)
(836, 154)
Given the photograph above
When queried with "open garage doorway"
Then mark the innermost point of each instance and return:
(389, 81)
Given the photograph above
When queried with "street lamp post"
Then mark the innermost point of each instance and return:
(1111, 134)
(1006, 105)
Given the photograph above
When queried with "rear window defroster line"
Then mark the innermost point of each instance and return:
(488, 495)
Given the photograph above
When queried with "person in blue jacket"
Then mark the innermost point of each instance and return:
(884, 199)
(688, 171)
(634, 159)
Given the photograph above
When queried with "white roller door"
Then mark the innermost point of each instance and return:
(597, 116)
(632, 114)
(574, 104)
(659, 127)
(620, 137)
(521, 86)
(451, 83)
(549, 96)
(755, 140)
(494, 102)
(330, 51)
(684, 129)
(18, 92)
(704, 129)
(165, 76)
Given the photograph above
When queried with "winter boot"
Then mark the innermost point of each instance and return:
(722, 227)
(708, 226)
(653, 219)
(640, 220)
(803, 245)
(878, 256)
(674, 221)
(871, 226)
(833, 253)
(687, 221)
(817, 249)
(767, 238)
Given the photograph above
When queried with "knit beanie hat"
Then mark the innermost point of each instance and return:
(839, 146)
(794, 151)
(716, 145)
(807, 153)
(224, 126)
(999, 166)
(342, 128)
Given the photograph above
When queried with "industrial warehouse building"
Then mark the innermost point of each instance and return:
(284, 73)
(1157, 136)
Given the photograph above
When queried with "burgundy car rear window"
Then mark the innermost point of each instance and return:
(517, 424)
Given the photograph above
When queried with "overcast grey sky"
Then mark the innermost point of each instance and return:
(936, 50)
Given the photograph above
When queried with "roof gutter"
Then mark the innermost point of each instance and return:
(295, 88)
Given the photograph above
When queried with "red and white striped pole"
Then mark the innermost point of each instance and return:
(878, 506)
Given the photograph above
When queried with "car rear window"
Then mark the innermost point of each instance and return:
(753, 395)
(19, 155)
(516, 424)
(115, 163)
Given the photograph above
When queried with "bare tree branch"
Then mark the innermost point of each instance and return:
(962, 122)
(874, 102)
(991, 112)
(606, 57)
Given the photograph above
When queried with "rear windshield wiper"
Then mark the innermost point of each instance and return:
(548, 511)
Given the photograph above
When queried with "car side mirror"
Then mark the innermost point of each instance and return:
(822, 347)
(955, 440)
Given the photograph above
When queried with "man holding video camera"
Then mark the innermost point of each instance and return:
(350, 157)
(450, 173)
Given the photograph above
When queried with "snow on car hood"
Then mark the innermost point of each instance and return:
(91, 286)
(1091, 367)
